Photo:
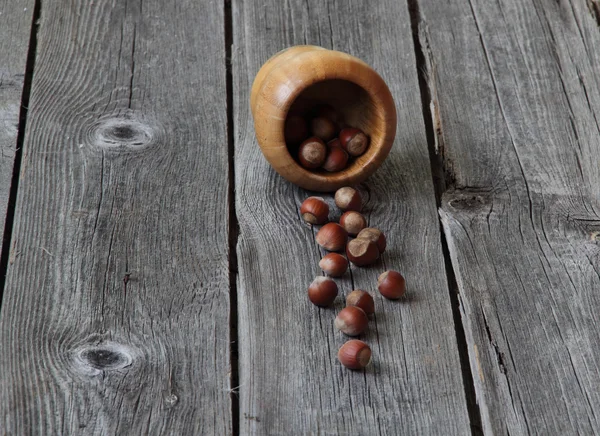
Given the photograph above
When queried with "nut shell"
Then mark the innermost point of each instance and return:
(353, 222)
(351, 321)
(374, 235)
(392, 285)
(337, 158)
(362, 300)
(322, 291)
(348, 198)
(314, 210)
(323, 128)
(312, 153)
(362, 252)
(332, 237)
(354, 354)
(334, 264)
(354, 141)
(327, 111)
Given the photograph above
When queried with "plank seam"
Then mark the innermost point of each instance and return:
(14, 185)
(442, 178)
(233, 227)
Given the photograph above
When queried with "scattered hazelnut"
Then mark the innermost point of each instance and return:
(332, 237)
(354, 141)
(362, 300)
(314, 210)
(327, 111)
(351, 321)
(391, 284)
(354, 354)
(348, 198)
(374, 235)
(337, 158)
(322, 128)
(295, 130)
(362, 252)
(334, 265)
(353, 222)
(322, 291)
(312, 153)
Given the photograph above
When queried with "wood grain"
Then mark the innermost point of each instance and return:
(516, 104)
(290, 379)
(15, 28)
(115, 315)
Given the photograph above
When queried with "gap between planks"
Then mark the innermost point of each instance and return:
(441, 179)
(14, 183)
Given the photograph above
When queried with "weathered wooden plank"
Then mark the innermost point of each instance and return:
(516, 105)
(290, 379)
(115, 319)
(15, 27)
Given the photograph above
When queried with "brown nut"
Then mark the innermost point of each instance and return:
(362, 300)
(373, 235)
(362, 252)
(322, 291)
(354, 141)
(337, 158)
(348, 198)
(295, 130)
(392, 285)
(334, 265)
(312, 153)
(353, 222)
(351, 321)
(327, 111)
(354, 354)
(332, 237)
(323, 128)
(314, 210)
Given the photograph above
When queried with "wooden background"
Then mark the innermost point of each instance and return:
(153, 267)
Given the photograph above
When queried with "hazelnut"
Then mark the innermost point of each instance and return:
(322, 128)
(351, 321)
(392, 285)
(337, 158)
(354, 141)
(312, 153)
(295, 130)
(332, 237)
(353, 222)
(374, 235)
(322, 291)
(348, 198)
(314, 210)
(362, 252)
(334, 265)
(362, 300)
(327, 111)
(354, 354)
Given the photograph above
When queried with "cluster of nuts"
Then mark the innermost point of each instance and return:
(321, 142)
(369, 243)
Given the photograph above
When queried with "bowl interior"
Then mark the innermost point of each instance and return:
(356, 107)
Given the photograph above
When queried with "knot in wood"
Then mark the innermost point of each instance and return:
(103, 357)
(123, 134)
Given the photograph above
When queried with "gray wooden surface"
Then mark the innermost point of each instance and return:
(118, 301)
(518, 99)
(15, 28)
(289, 375)
(115, 312)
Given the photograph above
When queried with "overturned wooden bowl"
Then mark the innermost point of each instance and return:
(299, 78)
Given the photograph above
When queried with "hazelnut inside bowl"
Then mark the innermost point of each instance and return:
(296, 81)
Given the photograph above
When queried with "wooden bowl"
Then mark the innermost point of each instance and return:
(297, 79)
